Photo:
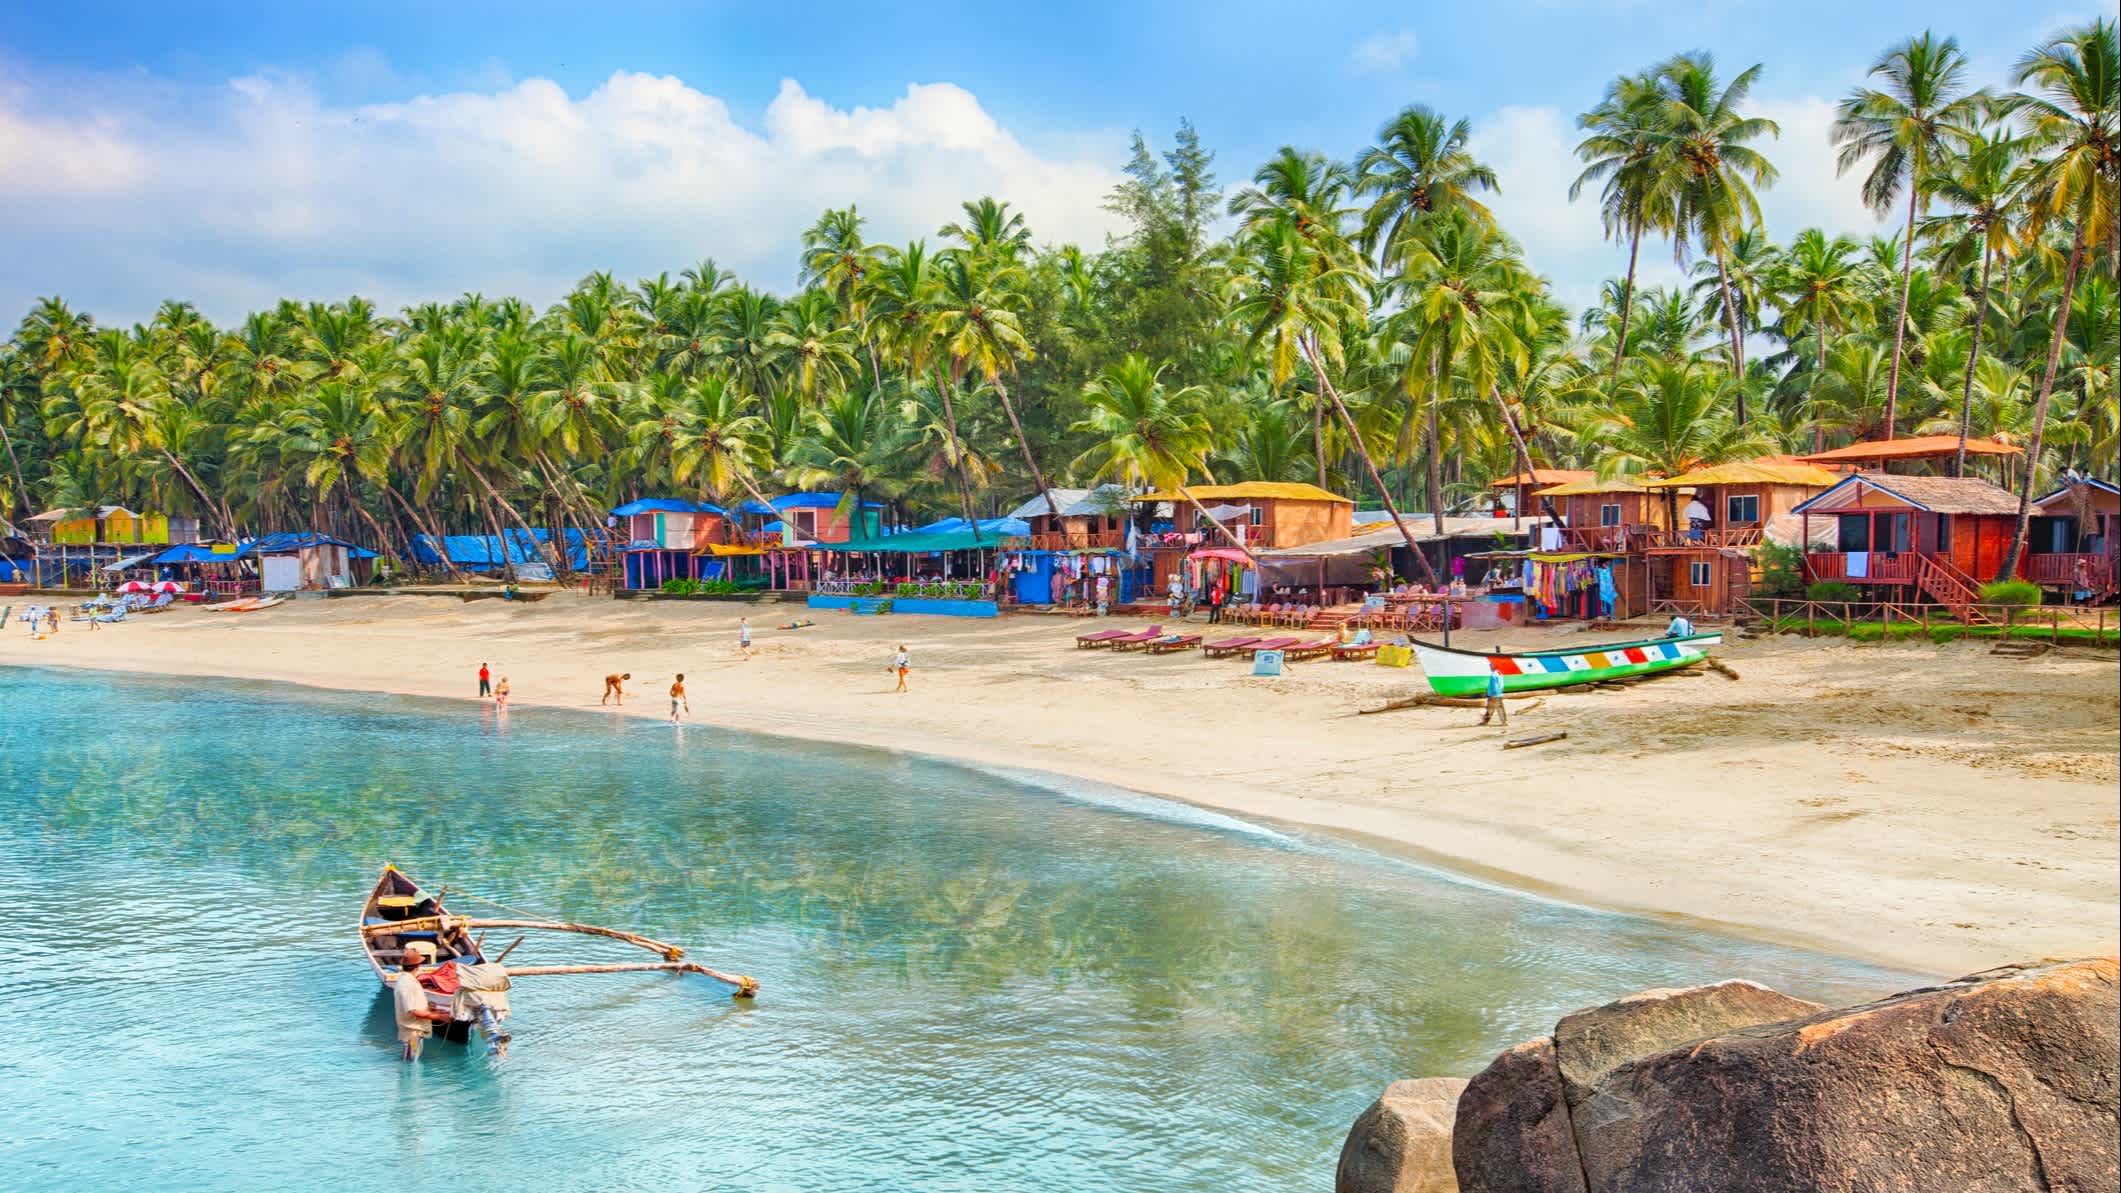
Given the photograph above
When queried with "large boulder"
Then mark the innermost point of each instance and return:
(2004, 1080)
(1513, 1133)
(1402, 1143)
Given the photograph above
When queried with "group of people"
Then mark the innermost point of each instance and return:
(489, 690)
(615, 689)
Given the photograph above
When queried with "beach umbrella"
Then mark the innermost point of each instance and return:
(168, 586)
(133, 586)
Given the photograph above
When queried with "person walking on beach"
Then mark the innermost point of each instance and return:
(500, 694)
(1496, 711)
(409, 999)
(485, 682)
(743, 636)
(615, 685)
(901, 664)
(677, 698)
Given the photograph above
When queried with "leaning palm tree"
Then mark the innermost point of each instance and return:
(1147, 432)
(1921, 118)
(1620, 153)
(978, 331)
(1420, 166)
(1985, 186)
(2073, 114)
(1706, 165)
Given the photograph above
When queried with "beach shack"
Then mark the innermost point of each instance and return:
(307, 561)
(71, 546)
(1913, 538)
(673, 538)
(1262, 515)
(1515, 491)
(2071, 543)
(1703, 562)
(804, 518)
(1880, 455)
(1062, 557)
(1617, 515)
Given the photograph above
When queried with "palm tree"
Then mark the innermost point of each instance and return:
(2074, 120)
(18, 389)
(991, 230)
(1620, 153)
(1420, 166)
(1269, 444)
(1669, 417)
(1820, 283)
(1985, 186)
(853, 444)
(977, 331)
(1905, 131)
(1147, 433)
(1709, 171)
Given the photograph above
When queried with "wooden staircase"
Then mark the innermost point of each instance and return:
(1332, 619)
(1950, 587)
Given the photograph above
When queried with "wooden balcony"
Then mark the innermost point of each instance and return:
(1713, 538)
(2075, 569)
(1079, 540)
(1879, 567)
(1603, 538)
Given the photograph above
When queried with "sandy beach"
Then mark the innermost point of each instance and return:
(1929, 807)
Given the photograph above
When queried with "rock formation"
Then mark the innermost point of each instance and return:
(1402, 1143)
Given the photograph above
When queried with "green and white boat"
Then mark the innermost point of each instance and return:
(1454, 672)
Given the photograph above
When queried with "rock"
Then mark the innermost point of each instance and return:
(1513, 1134)
(1402, 1143)
(1590, 1044)
(2004, 1080)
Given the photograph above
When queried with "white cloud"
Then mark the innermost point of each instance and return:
(1383, 52)
(260, 190)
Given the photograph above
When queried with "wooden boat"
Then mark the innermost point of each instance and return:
(1454, 672)
(399, 911)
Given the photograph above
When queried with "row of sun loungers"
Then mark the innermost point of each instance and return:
(1294, 649)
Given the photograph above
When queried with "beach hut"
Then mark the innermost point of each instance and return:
(1064, 556)
(1262, 514)
(2071, 543)
(1879, 455)
(804, 518)
(1516, 490)
(71, 546)
(1704, 562)
(307, 561)
(672, 538)
(1615, 515)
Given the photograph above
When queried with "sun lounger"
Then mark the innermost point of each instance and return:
(1355, 650)
(1260, 644)
(1227, 646)
(1100, 638)
(1309, 650)
(1130, 641)
(1174, 642)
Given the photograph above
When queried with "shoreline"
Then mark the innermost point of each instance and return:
(1940, 880)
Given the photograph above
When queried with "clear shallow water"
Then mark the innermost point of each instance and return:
(971, 982)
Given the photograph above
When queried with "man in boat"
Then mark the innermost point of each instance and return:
(416, 1015)
(1495, 710)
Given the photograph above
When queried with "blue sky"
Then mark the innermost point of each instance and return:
(235, 153)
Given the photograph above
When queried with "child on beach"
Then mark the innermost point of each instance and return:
(677, 698)
(615, 685)
(500, 694)
(485, 682)
(1495, 708)
(743, 636)
(901, 664)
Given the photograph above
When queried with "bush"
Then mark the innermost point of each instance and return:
(1832, 591)
(2010, 592)
(680, 587)
(1781, 570)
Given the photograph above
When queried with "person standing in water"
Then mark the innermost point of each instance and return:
(901, 663)
(415, 1014)
(677, 698)
(485, 682)
(500, 694)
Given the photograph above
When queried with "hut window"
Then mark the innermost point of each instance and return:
(1609, 514)
(1944, 532)
(1259, 516)
(1742, 509)
(1698, 574)
(1855, 533)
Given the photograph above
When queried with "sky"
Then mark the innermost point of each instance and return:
(233, 155)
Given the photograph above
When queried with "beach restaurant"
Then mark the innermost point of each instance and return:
(1064, 556)
(947, 569)
(677, 538)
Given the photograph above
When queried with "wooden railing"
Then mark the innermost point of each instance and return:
(1894, 619)
(1601, 538)
(1083, 540)
(1880, 568)
(2074, 568)
(1707, 539)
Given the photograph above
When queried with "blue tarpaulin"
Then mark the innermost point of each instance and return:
(481, 552)
(287, 544)
(994, 526)
(803, 501)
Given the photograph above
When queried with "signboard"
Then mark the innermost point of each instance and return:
(1266, 662)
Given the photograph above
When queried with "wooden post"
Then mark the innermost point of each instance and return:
(1811, 619)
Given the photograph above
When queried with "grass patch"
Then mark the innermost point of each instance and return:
(1902, 631)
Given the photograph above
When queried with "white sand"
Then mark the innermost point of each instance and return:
(1929, 807)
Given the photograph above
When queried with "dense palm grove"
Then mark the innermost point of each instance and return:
(1363, 324)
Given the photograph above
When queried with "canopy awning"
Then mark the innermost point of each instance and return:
(924, 544)
(130, 561)
(1230, 554)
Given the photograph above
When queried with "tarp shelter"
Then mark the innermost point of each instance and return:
(990, 527)
(482, 552)
(198, 553)
(304, 560)
(917, 542)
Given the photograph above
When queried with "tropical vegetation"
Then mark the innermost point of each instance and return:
(1366, 324)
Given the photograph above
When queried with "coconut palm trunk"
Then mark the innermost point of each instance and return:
(957, 452)
(1730, 317)
(1907, 278)
(1627, 308)
(426, 526)
(2040, 405)
(1037, 477)
(1432, 447)
(21, 488)
(218, 512)
(514, 515)
(1973, 357)
(1310, 351)
(353, 502)
(1524, 453)
(1226, 532)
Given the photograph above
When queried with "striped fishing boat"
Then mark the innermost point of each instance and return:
(1455, 672)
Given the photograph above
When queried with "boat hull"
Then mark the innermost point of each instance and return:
(1465, 673)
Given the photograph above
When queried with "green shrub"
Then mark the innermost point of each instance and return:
(681, 587)
(2010, 592)
(1832, 591)
(1781, 570)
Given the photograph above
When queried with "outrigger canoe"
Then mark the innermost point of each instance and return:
(1454, 672)
(399, 911)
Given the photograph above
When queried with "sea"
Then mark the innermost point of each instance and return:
(970, 979)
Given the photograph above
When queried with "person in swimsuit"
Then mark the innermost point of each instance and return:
(677, 698)
(500, 693)
(901, 664)
(614, 685)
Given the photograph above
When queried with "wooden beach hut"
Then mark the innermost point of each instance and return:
(1264, 515)
(1704, 562)
(2071, 543)
(1912, 537)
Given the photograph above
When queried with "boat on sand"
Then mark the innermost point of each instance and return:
(1455, 672)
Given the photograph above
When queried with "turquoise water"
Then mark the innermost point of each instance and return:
(971, 982)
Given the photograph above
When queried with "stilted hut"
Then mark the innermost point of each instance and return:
(2071, 547)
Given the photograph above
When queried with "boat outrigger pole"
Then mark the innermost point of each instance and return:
(673, 956)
